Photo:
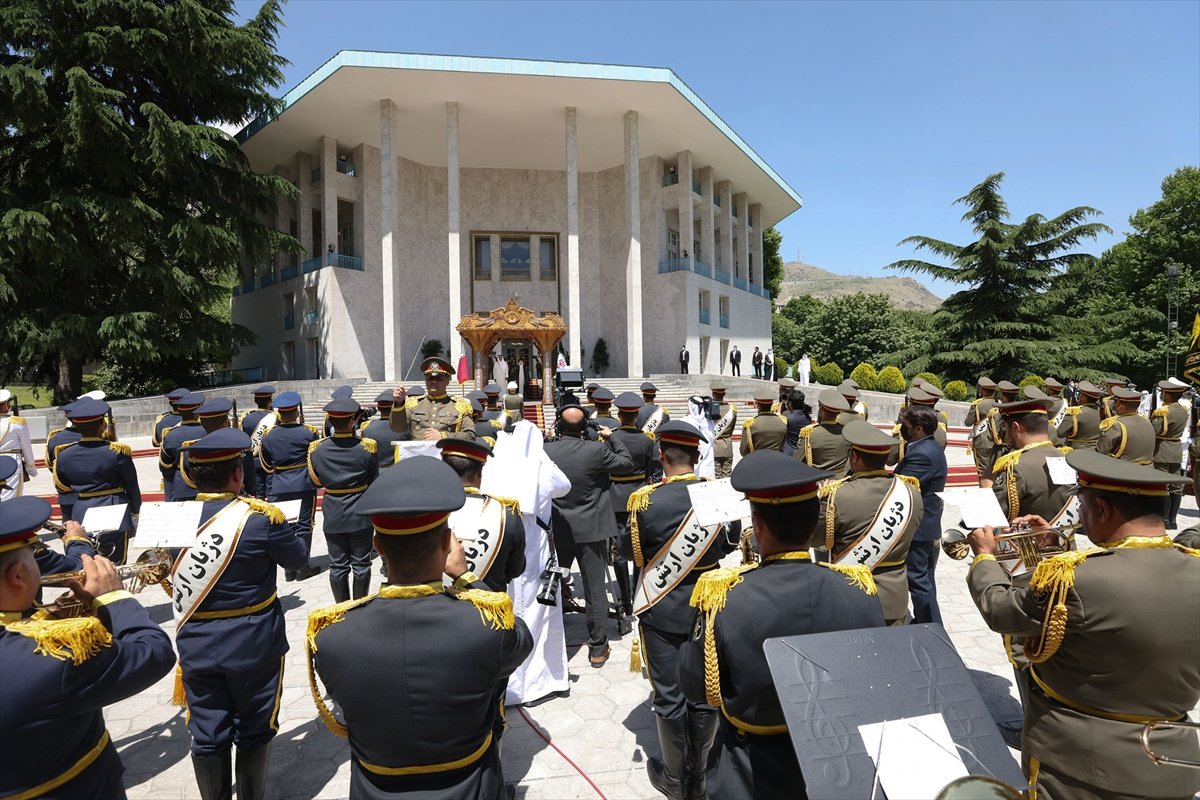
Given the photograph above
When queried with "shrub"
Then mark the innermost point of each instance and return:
(864, 374)
(891, 380)
(828, 374)
(1032, 380)
(781, 367)
(929, 377)
(956, 390)
(431, 348)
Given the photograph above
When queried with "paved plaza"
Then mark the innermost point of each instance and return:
(601, 735)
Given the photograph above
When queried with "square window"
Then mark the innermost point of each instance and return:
(483, 258)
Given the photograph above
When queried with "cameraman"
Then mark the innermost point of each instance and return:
(583, 520)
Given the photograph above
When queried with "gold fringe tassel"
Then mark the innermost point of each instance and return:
(76, 639)
(857, 575)
(120, 448)
(272, 512)
(178, 695)
(710, 591)
(495, 608)
(635, 656)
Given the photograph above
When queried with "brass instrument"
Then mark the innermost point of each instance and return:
(60, 530)
(152, 566)
(748, 546)
(1015, 544)
(1149, 727)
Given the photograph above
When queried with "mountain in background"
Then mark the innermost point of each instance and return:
(801, 279)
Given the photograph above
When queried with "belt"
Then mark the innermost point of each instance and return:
(235, 612)
(888, 566)
(102, 492)
(1175, 439)
(744, 727)
(72, 772)
(627, 478)
(1113, 716)
(16, 451)
(285, 467)
(426, 769)
(347, 490)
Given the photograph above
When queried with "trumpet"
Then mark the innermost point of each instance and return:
(1160, 759)
(1018, 543)
(59, 529)
(152, 566)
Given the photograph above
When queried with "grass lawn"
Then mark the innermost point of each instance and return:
(31, 396)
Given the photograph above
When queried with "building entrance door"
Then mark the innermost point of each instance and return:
(520, 358)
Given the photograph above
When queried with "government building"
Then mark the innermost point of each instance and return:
(610, 201)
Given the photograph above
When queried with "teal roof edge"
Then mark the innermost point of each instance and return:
(512, 66)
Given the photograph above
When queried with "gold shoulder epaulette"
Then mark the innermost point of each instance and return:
(76, 639)
(54, 433)
(370, 445)
(1065, 449)
(1108, 423)
(1005, 461)
(159, 418)
(314, 444)
(495, 608)
(830, 487)
(1161, 412)
(318, 621)
(362, 426)
(750, 422)
(911, 480)
(857, 574)
(1053, 577)
(714, 585)
(120, 448)
(509, 503)
(489, 441)
(807, 430)
(640, 499)
(463, 406)
(17, 420)
(896, 429)
(496, 423)
(314, 428)
(308, 463)
(649, 435)
(1074, 410)
(410, 403)
(271, 512)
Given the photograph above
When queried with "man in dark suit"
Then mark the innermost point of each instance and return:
(925, 461)
(583, 519)
(735, 361)
(756, 360)
(684, 358)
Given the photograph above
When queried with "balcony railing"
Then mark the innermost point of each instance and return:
(696, 187)
(700, 268)
(315, 176)
(740, 283)
(717, 200)
(266, 280)
(672, 265)
(312, 317)
(248, 286)
(670, 179)
(718, 274)
(289, 322)
(723, 319)
(289, 272)
(346, 168)
(705, 316)
(721, 275)
(313, 264)
(333, 260)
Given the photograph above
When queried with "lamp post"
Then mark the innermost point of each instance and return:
(1173, 270)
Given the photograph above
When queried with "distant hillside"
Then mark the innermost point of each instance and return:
(801, 279)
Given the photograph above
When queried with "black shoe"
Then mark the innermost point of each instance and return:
(214, 775)
(289, 575)
(547, 698)
(252, 771)
(304, 573)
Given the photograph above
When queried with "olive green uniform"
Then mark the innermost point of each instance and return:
(446, 415)
(851, 506)
(821, 445)
(1170, 422)
(1120, 658)
(1129, 437)
(1081, 427)
(766, 431)
(723, 445)
(982, 445)
(1058, 404)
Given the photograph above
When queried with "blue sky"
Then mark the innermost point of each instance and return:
(878, 114)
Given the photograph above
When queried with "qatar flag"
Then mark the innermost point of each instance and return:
(464, 372)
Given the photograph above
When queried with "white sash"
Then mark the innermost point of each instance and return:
(260, 430)
(654, 421)
(724, 423)
(198, 568)
(980, 429)
(673, 562)
(1060, 416)
(885, 531)
(479, 525)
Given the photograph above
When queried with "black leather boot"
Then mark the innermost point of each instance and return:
(340, 587)
(252, 771)
(702, 731)
(1176, 500)
(666, 774)
(624, 597)
(214, 775)
(361, 587)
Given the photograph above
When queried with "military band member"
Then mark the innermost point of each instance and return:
(722, 664)
(15, 441)
(821, 444)
(345, 466)
(99, 473)
(1170, 421)
(849, 390)
(1080, 428)
(493, 412)
(249, 424)
(588, 406)
(723, 438)
(340, 393)
(58, 439)
(214, 414)
(380, 430)
(229, 624)
(644, 453)
(401, 637)
(188, 429)
(1007, 392)
(435, 415)
(1108, 406)
(284, 457)
(664, 534)
(869, 518)
(1125, 434)
(169, 420)
(1058, 409)
(651, 414)
(980, 440)
(58, 675)
(1107, 655)
(602, 399)
(766, 430)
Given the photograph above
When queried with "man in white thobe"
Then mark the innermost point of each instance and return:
(805, 368)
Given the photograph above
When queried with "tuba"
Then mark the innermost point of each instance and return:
(152, 566)
(1017, 544)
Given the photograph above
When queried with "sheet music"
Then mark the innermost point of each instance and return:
(168, 524)
(99, 519)
(417, 448)
(897, 745)
(979, 507)
(1062, 473)
(717, 501)
(290, 508)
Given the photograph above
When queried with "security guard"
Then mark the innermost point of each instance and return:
(870, 517)
(663, 534)
(651, 414)
(229, 624)
(445, 746)
(187, 430)
(381, 430)
(249, 424)
(723, 435)
(100, 473)
(821, 444)
(435, 415)
(58, 439)
(1170, 421)
(1107, 654)
(1080, 428)
(722, 664)
(489, 527)
(1108, 406)
(284, 457)
(167, 421)
(980, 440)
(766, 430)
(345, 466)
(646, 468)
(59, 674)
(1126, 434)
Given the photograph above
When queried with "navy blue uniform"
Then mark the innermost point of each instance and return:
(101, 473)
(284, 457)
(509, 563)
(59, 438)
(50, 561)
(51, 710)
(381, 431)
(257, 487)
(345, 465)
(168, 459)
(233, 665)
(925, 460)
(164, 423)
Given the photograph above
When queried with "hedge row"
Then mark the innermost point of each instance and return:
(891, 380)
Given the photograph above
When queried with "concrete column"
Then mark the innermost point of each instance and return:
(283, 212)
(707, 219)
(574, 320)
(389, 205)
(755, 211)
(725, 191)
(453, 234)
(328, 194)
(743, 247)
(633, 260)
(304, 231)
(683, 166)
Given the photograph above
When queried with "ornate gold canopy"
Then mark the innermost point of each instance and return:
(511, 321)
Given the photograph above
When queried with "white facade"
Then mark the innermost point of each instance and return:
(445, 186)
